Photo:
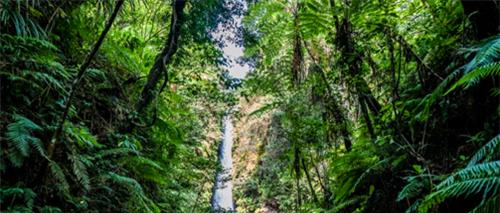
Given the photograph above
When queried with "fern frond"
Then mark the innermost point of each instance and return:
(146, 169)
(147, 162)
(27, 194)
(80, 135)
(114, 152)
(58, 174)
(489, 169)
(132, 184)
(490, 148)
(466, 187)
(413, 207)
(13, 13)
(20, 137)
(46, 79)
(40, 147)
(412, 189)
(486, 53)
(135, 189)
(15, 157)
(18, 45)
(80, 170)
(485, 63)
(50, 209)
(20, 133)
(473, 77)
(350, 202)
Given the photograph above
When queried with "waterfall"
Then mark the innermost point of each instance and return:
(222, 199)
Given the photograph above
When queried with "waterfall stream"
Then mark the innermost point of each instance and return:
(222, 199)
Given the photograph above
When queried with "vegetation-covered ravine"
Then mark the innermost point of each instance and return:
(366, 106)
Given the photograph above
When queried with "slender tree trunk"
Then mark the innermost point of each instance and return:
(297, 178)
(309, 182)
(79, 76)
(164, 58)
(370, 100)
(366, 116)
(327, 194)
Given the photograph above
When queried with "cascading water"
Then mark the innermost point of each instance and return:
(222, 199)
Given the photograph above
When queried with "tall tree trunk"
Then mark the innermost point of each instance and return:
(79, 76)
(164, 58)
(297, 52)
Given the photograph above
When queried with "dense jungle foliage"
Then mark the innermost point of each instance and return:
(374, 106)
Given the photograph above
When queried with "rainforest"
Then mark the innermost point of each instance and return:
(250, 106)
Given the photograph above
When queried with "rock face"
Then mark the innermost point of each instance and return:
(251, 133)
(251, 138)
(222, 199)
